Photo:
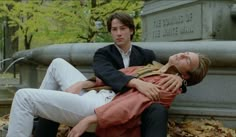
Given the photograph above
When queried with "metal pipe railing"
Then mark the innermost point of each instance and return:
(221, 53)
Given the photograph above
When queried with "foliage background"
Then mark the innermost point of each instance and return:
(41, 22)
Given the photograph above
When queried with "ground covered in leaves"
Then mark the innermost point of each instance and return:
(199, 128)
(188, 128)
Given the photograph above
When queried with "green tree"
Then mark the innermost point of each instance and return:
(60, 21)
(27, 17)
(85, 21)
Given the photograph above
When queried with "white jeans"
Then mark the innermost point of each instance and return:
(52, 103)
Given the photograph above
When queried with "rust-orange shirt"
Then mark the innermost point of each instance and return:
(121, 117)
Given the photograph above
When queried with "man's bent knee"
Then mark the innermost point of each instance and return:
(58, 61)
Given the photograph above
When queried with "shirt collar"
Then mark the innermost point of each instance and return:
(122, 51)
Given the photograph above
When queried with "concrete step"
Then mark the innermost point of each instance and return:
(6, 93)
(6, 97)
(9, 81)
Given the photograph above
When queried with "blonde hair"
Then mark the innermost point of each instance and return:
(197, 75)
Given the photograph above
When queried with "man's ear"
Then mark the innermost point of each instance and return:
(132, 31)
(185, 76)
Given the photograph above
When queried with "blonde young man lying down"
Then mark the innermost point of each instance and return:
(121, 117)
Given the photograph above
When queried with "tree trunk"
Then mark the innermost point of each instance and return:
(93, 2)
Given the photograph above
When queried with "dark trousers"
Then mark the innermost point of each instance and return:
(48, 128)
(154, 124)
(45, 128)
(154, 121)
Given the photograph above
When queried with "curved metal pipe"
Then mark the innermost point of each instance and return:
(221, 53)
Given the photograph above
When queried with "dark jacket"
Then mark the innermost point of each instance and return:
(108, 60)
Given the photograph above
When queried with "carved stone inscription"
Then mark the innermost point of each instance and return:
(177, 24)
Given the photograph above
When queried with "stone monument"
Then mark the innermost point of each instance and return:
(202, 21)
(184, 20)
